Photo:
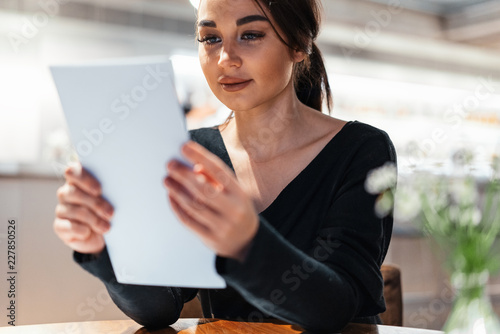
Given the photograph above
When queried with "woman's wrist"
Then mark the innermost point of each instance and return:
(242, 254)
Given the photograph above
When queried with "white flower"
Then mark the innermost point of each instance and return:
(407, 204)
(462, 157)
(463, 191)
(381, 179)
(384, 204)
(470, 216)
(477, 216)
(454, 214)
(435, 191)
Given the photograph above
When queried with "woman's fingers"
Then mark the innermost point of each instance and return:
(71, 231)
(80, 200)
(94, 245)
(200, 229)
(225, 236)
(71, 194)
(209, 201)
(197, 209)
(79, 236)
(78, 176)
(82, 214)
(208, 163)
(200, 186)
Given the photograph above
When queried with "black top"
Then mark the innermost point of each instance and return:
(315, 260)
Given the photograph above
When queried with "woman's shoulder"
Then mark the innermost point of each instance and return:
(211, 139)
(208, 137)
(204, 134)
(358, 140)
(351, 131)
(363, 130)
(359, 133)
(368, 140)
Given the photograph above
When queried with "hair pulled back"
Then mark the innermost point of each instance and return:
(299, 21)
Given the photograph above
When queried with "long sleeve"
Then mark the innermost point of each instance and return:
(151, 306)
(322, 285)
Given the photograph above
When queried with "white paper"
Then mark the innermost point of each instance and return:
(126, 124)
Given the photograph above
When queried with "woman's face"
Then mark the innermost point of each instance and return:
(245, 63)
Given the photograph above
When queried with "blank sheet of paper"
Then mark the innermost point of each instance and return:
(126, 123)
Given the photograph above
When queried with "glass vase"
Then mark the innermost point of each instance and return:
(472, 312)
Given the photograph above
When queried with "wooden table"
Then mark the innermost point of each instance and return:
(198, 326)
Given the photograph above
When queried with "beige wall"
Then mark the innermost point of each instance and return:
(50, 287)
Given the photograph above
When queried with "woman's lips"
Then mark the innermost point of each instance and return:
(234, 85)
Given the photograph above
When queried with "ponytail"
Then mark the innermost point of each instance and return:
(311, 81)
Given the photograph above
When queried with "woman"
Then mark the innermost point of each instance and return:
(277, 192)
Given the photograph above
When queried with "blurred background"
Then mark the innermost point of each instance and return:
(425, 71)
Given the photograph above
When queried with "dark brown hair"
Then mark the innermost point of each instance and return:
(299, 22)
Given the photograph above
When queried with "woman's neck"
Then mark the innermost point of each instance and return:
(270, 130)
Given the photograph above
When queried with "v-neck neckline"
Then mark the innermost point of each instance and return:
(300, 175)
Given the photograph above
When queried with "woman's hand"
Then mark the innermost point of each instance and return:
(82, 215)
(209, 200)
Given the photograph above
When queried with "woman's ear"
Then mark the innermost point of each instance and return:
(298, 56)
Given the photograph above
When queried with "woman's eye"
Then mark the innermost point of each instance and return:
(209, 40)
(251, 36)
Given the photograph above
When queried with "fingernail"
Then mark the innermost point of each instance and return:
(172, 164)
(69, 170)
(96, 191)
(187, 147)
(72, 170)
(168, 182)
(108, 212)
(104, 226)
(76, 170)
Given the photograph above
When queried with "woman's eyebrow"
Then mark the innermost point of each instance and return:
(207, 23)
(251, 18)
(239, 22)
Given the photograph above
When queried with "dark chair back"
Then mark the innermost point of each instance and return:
(393, 295)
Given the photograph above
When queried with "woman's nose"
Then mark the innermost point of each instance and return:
(229, 56)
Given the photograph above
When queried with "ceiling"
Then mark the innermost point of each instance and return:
(461, 35)
(475, 22)
(440, 7)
